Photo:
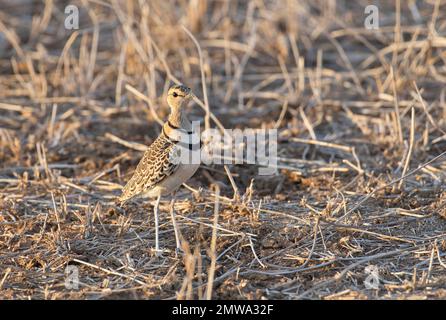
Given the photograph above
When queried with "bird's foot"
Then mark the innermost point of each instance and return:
(159, 252)
(178, 252)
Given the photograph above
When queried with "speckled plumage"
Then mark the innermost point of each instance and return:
(157, 172)
(155, 165)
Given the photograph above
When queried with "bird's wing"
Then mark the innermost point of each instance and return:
(155, 166)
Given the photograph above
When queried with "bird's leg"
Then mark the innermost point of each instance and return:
(172, 214)
(155, 211)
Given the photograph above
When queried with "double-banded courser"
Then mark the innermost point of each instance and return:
(159, 172)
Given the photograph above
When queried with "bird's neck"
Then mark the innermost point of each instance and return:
(179, 120)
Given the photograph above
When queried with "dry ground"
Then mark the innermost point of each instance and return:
(362, 134)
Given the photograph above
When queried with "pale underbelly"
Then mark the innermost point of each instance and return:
(173, 182)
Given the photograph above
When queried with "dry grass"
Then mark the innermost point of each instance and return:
(362, 124)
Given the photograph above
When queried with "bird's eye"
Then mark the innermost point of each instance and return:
(175, 95)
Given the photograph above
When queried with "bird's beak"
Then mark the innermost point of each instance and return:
(190, 95)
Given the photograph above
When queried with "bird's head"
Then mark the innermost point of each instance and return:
(178, 96)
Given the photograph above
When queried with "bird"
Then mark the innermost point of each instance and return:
(159, 173)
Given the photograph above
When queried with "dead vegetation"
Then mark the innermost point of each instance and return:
(362, 138)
